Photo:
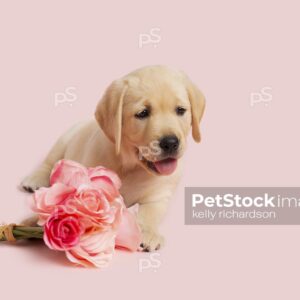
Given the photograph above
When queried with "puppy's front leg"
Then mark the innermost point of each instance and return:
(149, 217)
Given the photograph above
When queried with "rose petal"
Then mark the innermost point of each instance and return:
(69, 173)
(100, 173)
(45, 200)
(129, 234)
(94, 250)
(62, 231)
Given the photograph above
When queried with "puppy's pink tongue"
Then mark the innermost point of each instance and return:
(166, 166)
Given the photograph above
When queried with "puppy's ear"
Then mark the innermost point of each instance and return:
(109, 112)
(197, 101)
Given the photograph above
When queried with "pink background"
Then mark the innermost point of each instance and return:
(230, 49)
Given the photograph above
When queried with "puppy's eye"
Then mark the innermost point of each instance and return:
(180, 111)
(143, 114)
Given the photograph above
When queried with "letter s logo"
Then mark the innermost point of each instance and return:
(156, 38)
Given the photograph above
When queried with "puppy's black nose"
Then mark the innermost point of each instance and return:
(169, 144)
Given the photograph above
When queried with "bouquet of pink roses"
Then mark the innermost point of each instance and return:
(82, 213)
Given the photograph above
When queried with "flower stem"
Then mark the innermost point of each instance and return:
(22, 232)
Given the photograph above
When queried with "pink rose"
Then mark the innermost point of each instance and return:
(84, 214)
(103, 210)
(69, 173)
(62, 231)
(94, 250)
(45, 200)
(74, 174)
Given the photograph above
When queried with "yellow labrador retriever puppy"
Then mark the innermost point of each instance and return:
(144, 120)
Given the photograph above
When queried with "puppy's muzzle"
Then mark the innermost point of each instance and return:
(169, 144)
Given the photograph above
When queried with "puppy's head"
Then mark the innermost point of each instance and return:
(148, 113)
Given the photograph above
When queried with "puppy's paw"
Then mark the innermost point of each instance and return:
(151, 240)
(34, 182)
